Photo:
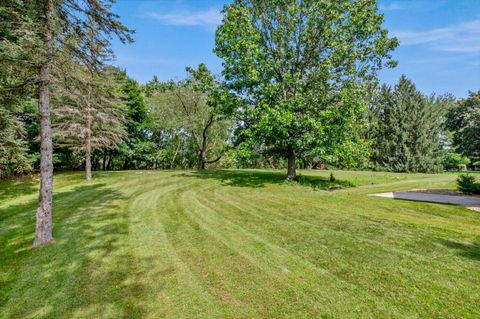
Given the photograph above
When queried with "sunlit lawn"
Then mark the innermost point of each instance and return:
(238, 244)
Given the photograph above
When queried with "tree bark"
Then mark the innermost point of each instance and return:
(291, 169)
(88, 163)
(104, 163)
(172, 162)
(43, 228)
(201, 159)
(109, 164)
(203, 146)
(88, 148)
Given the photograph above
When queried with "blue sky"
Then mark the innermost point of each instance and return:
(439, 40)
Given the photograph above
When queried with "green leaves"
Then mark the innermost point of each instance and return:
(463, 119)
(299, 65)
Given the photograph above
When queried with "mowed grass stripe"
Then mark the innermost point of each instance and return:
(151, 211)
(413, 258)
(274, 259)
(238, 244)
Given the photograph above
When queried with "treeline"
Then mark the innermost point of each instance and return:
(411, 132)
(189, 124)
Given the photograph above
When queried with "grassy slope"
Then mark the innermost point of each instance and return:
(238, 244)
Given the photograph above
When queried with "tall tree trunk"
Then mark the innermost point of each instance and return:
(110, 155)
(172, 163)
(201, 159)
(88, 146)
(291, 171)
(203, 146)
(88, 164)
(43, 228)
(104, 163)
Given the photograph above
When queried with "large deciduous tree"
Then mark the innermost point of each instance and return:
(463, 119)
(301, 66)
(135, 151)
(196, 106)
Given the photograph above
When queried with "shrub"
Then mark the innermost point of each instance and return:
(466, 183)
(455, 161)
(332, 177)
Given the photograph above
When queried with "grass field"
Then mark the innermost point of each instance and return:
(238, 244)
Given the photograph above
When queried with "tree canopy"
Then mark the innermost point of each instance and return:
(463, 119)
(301, 67)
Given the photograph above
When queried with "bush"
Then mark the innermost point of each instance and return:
(466, 183)
(332, 177)
(455, 161)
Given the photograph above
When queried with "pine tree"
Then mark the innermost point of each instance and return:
(87, 100)
(406, 129)
(88, 114)
(17, 78)
(55, 23)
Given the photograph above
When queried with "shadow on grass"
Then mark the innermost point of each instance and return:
(85, 272)
(10, 189)
(468, 250)
(258, 179)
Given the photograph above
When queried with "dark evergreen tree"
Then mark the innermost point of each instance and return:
(17, 76)
(136, 151)
(406, 128)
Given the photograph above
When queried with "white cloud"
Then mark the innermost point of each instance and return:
(463, 37)
(207, 18)
(390, 7)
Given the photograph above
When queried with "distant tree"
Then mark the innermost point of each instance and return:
(88, 114)
(463, 120)
(87, 98)
(407, 127)
(14, 158)
(451, 160)
(194, 107)
(132, 150)
(302, 68)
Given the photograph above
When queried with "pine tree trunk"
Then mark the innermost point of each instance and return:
(109, 164)
(88, 163)
(43, 228)
(291, 170)
(104, 163)
(88, 148)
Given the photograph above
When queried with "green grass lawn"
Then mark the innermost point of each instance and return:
(238, 244)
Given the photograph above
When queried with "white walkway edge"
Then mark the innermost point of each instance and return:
(472, 202)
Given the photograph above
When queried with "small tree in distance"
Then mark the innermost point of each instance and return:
(194, 106)
(88, 114)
